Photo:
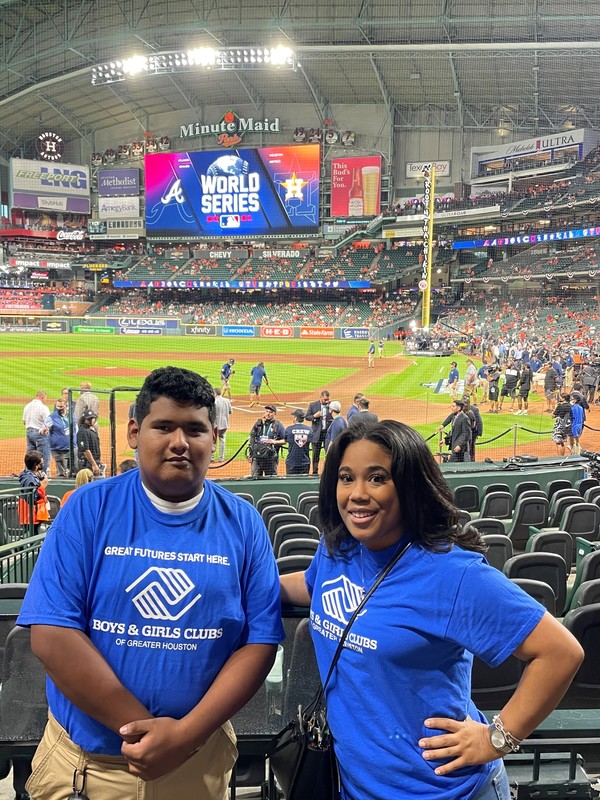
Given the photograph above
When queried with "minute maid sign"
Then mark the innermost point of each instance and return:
(230, 129)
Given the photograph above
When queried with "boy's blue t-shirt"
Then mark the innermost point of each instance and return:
(408, 657)
(165, 598)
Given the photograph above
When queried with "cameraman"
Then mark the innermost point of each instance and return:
(264, 453)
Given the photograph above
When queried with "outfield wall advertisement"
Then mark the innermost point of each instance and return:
(268, 191)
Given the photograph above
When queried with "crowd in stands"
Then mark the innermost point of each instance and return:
(576, 259)
(192, 306)
(568, 320)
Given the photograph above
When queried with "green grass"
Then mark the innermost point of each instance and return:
(51, 361)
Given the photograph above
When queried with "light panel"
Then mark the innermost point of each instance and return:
(233, 58)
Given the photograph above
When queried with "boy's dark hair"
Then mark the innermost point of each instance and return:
(127, 464)
(180, 385)
(33, 459)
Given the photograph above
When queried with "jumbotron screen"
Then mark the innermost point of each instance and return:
(267, 191)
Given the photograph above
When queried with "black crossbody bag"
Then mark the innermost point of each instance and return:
(302, 758)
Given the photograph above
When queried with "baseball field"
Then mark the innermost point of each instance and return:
(398, 386)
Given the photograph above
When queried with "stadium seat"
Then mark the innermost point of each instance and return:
(303, 679)
(245, 496)
(282, 495)
(488, 526)
(292, 547)
(499, 550)
(467, 497)
(549, 568)
(496, 505)
(294, 531)
(558, 509)
(305, 501)
(532, 493)
(285, 518)
(559, 542)
(528, 511)
(270, 511)
(555, 485)
(491, 687)
(54, 505)
(581, 520)
(584, 624)
(588, 569)
(270, 500)
(495, 487)
(591, 494)
(524, 486)
(296, 563)
(540, 591)
(586, 594)
(314, 517)
(586, 483)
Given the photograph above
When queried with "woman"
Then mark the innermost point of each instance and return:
(562, 423)
(83, 476)
(34, 478)
(577, 422)
(399, 702)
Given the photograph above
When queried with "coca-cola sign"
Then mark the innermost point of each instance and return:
(64, 235)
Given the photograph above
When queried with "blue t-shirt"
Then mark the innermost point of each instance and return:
(453, 375)
(226, 370)
(577, 419)
(165, 598)
(334, 430)
(258, 374)
(408, 657)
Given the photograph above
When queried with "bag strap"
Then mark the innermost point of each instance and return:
(386, 571)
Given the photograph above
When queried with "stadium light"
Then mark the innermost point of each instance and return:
(168, 63)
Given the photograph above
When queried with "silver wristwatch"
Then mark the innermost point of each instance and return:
(501, 740)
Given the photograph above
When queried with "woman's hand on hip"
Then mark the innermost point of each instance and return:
(466, 743)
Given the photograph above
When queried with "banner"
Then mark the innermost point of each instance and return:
(200, 330)
(316, 333)
(118, 182)
(354, 333)
(415, 169)
(142, 322)
(57, 187)
(269, 191)
(143, 331)
(249, 285)
(54, 326)
(92, 329)
(238, 330)
(116, 207)
(356, 186)
(277, 332)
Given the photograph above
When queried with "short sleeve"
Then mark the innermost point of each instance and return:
(491, 616)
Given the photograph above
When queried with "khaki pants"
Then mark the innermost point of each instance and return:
(204, 776)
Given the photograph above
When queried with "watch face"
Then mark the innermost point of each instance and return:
(498, 740)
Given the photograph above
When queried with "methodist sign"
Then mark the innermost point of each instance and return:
(118, 182)
(49, 187)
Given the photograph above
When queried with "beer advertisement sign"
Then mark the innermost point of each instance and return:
(356, 186)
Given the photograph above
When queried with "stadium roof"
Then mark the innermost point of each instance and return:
(528, 67)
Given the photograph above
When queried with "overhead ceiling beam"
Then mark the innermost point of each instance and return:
(79, 126)
(319, 102)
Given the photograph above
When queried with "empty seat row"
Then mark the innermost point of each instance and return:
(469, 498)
